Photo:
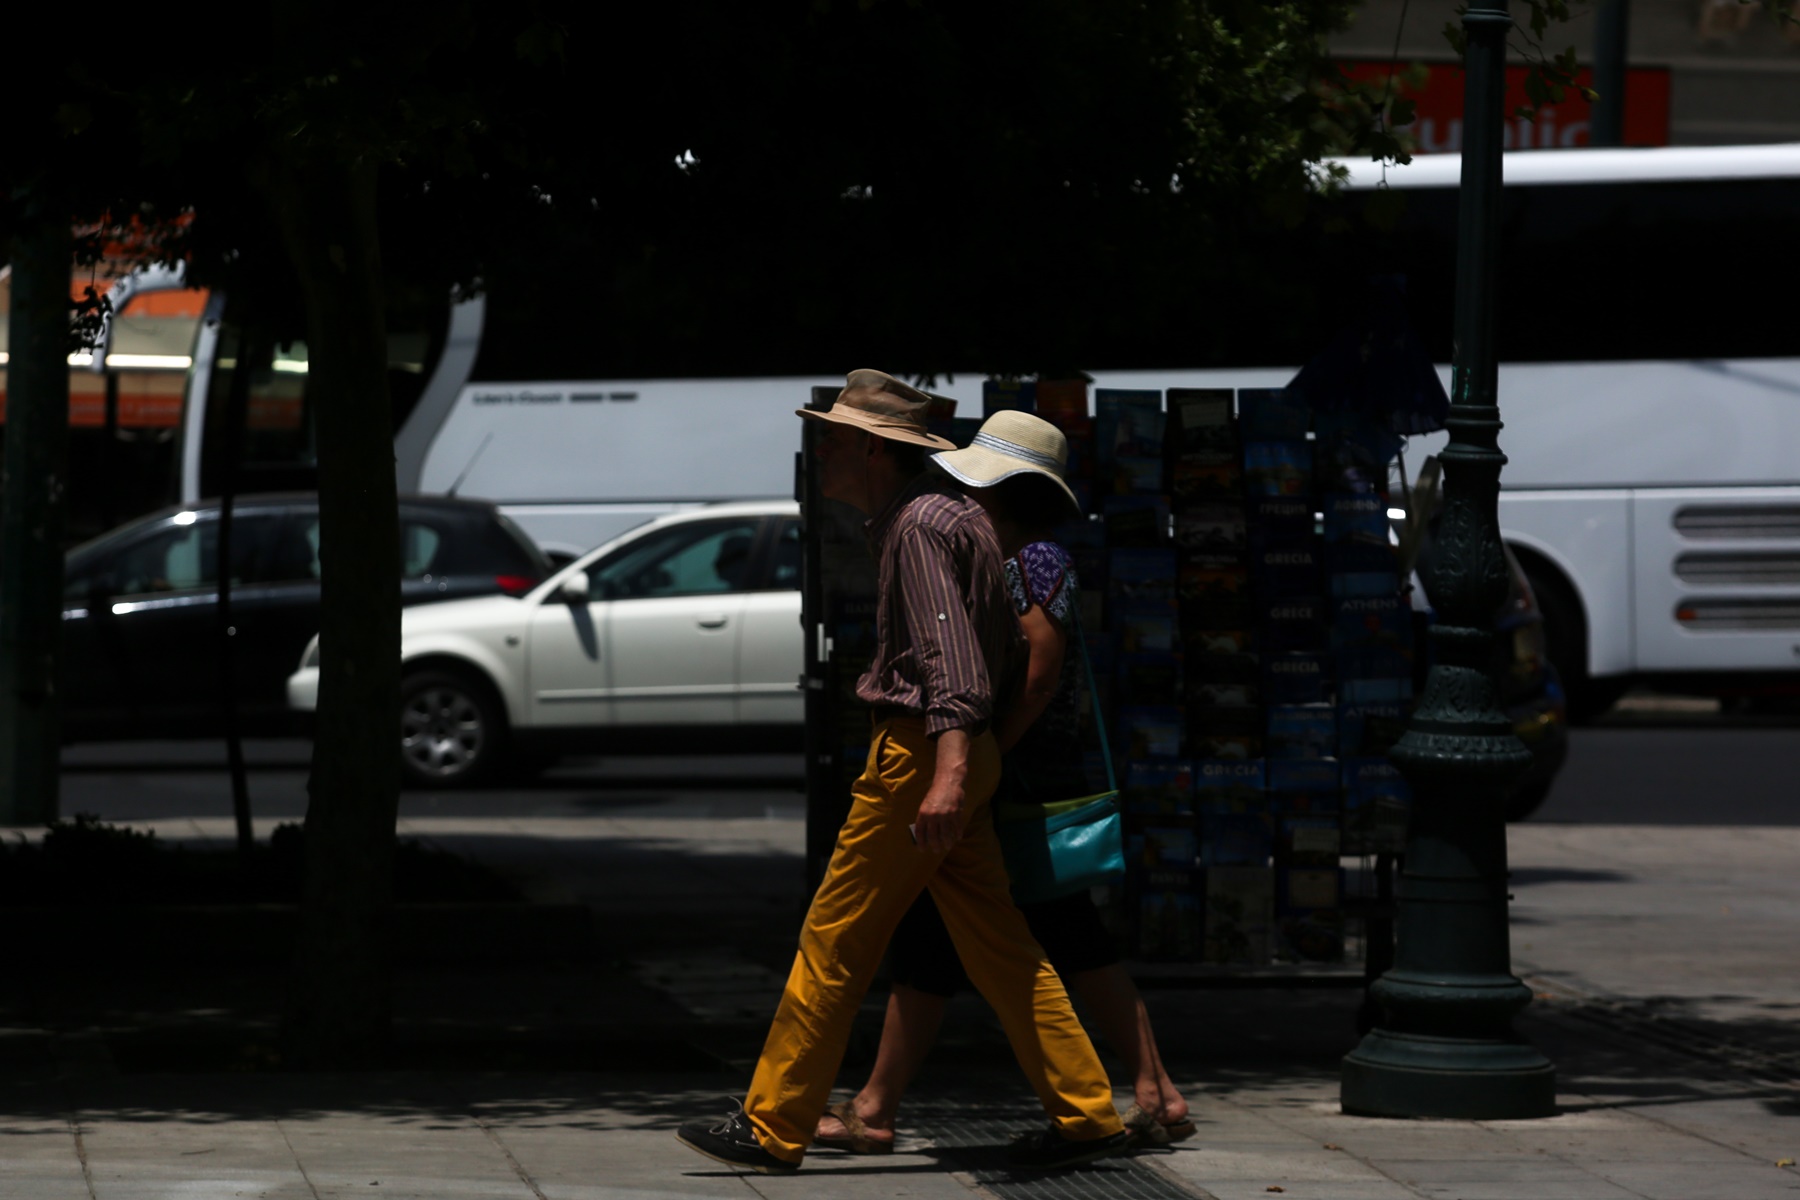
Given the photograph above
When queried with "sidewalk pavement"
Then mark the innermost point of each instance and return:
(1662, 959)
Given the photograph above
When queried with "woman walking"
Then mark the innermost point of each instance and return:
(1013, 469)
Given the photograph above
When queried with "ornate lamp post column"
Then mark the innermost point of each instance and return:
(1444, 1046)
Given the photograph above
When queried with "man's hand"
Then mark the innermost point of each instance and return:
(941, 813)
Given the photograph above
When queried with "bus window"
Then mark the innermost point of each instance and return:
(1593, 272)
(279, 451)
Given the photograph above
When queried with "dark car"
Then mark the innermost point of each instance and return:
(140, 649)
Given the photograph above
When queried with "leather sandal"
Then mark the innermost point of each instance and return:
(1146, 1130)
(856, 1139)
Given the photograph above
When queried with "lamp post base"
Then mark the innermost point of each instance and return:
(1473, 1079)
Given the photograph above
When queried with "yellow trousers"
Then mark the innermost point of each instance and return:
(875, 874)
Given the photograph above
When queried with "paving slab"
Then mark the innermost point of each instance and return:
(38, 1158)
(1669, 998)
(1702, 1181)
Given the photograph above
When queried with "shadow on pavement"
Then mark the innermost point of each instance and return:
(1526, 876)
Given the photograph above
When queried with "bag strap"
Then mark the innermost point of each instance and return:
(1112, 784)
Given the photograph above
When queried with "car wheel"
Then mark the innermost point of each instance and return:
(451, 730)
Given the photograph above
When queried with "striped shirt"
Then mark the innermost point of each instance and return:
(947, 641)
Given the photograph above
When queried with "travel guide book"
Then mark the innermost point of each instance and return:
(1240, 915)
(1294, 624)
(1136, 520)
(1209, 531)
(1149, 731)
(1367, 622)
(1305, 785)
(1280, 520)
(1284, 572)
(1169, 927)
(1376, 802)
(1215, 597)
(1278, 468)
(1151, 678)
(1062, 401)
(1273, 414)
(1002, 395)
(1144, 627)
(1369, 729)
(1297, 679)
(1159, 792)
(1128, 423)
(1236, 839)
(1141, 573)
(1301, 731)
(1352, 519)
(1307, 840)
(1229, 785)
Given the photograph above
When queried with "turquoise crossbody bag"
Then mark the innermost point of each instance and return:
(1060, 849)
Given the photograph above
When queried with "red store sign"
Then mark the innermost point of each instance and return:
(1439, 123)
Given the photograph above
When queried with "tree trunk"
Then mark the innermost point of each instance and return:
(237, 402)
(31, 560)
(338, 1013)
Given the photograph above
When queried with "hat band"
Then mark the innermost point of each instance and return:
(988, 441)
(878, 420)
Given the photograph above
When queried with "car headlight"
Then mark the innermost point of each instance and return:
(311, 657)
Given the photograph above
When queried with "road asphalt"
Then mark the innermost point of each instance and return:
(1668, 994)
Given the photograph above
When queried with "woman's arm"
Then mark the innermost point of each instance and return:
(1043, 675)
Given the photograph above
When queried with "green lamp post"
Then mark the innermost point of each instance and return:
(1444, 1045)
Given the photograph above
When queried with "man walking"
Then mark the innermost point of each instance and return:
(946, 642)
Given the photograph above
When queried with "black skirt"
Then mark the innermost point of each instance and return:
(921, 954)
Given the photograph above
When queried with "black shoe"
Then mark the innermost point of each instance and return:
(1048, 1150)
(730, 1140)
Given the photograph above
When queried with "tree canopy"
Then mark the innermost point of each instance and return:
(691, 187)
(727, 188)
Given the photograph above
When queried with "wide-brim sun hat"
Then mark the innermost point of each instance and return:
(875, 402)
(1010, 444)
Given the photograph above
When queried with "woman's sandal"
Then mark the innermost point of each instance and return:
(1146, 1130)
(856, 1139)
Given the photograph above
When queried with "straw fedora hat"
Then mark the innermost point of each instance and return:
(1011, 443)
(877, 403)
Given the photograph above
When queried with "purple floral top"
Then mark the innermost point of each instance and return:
(1046, 764)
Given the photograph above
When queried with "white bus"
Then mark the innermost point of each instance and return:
(1650, 385)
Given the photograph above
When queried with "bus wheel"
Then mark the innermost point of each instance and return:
(1565, 636)
(451, 730)
(1527, 798)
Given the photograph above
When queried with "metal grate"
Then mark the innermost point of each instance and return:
(1745, 521)
(973, 1137)
(1738, 568)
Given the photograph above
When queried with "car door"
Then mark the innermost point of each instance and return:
(674, 623)
(657, 642)
(294, 576)
(771, 652)
(155, 605)
(91, 669)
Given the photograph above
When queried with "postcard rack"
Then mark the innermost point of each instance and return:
(1254, 653)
